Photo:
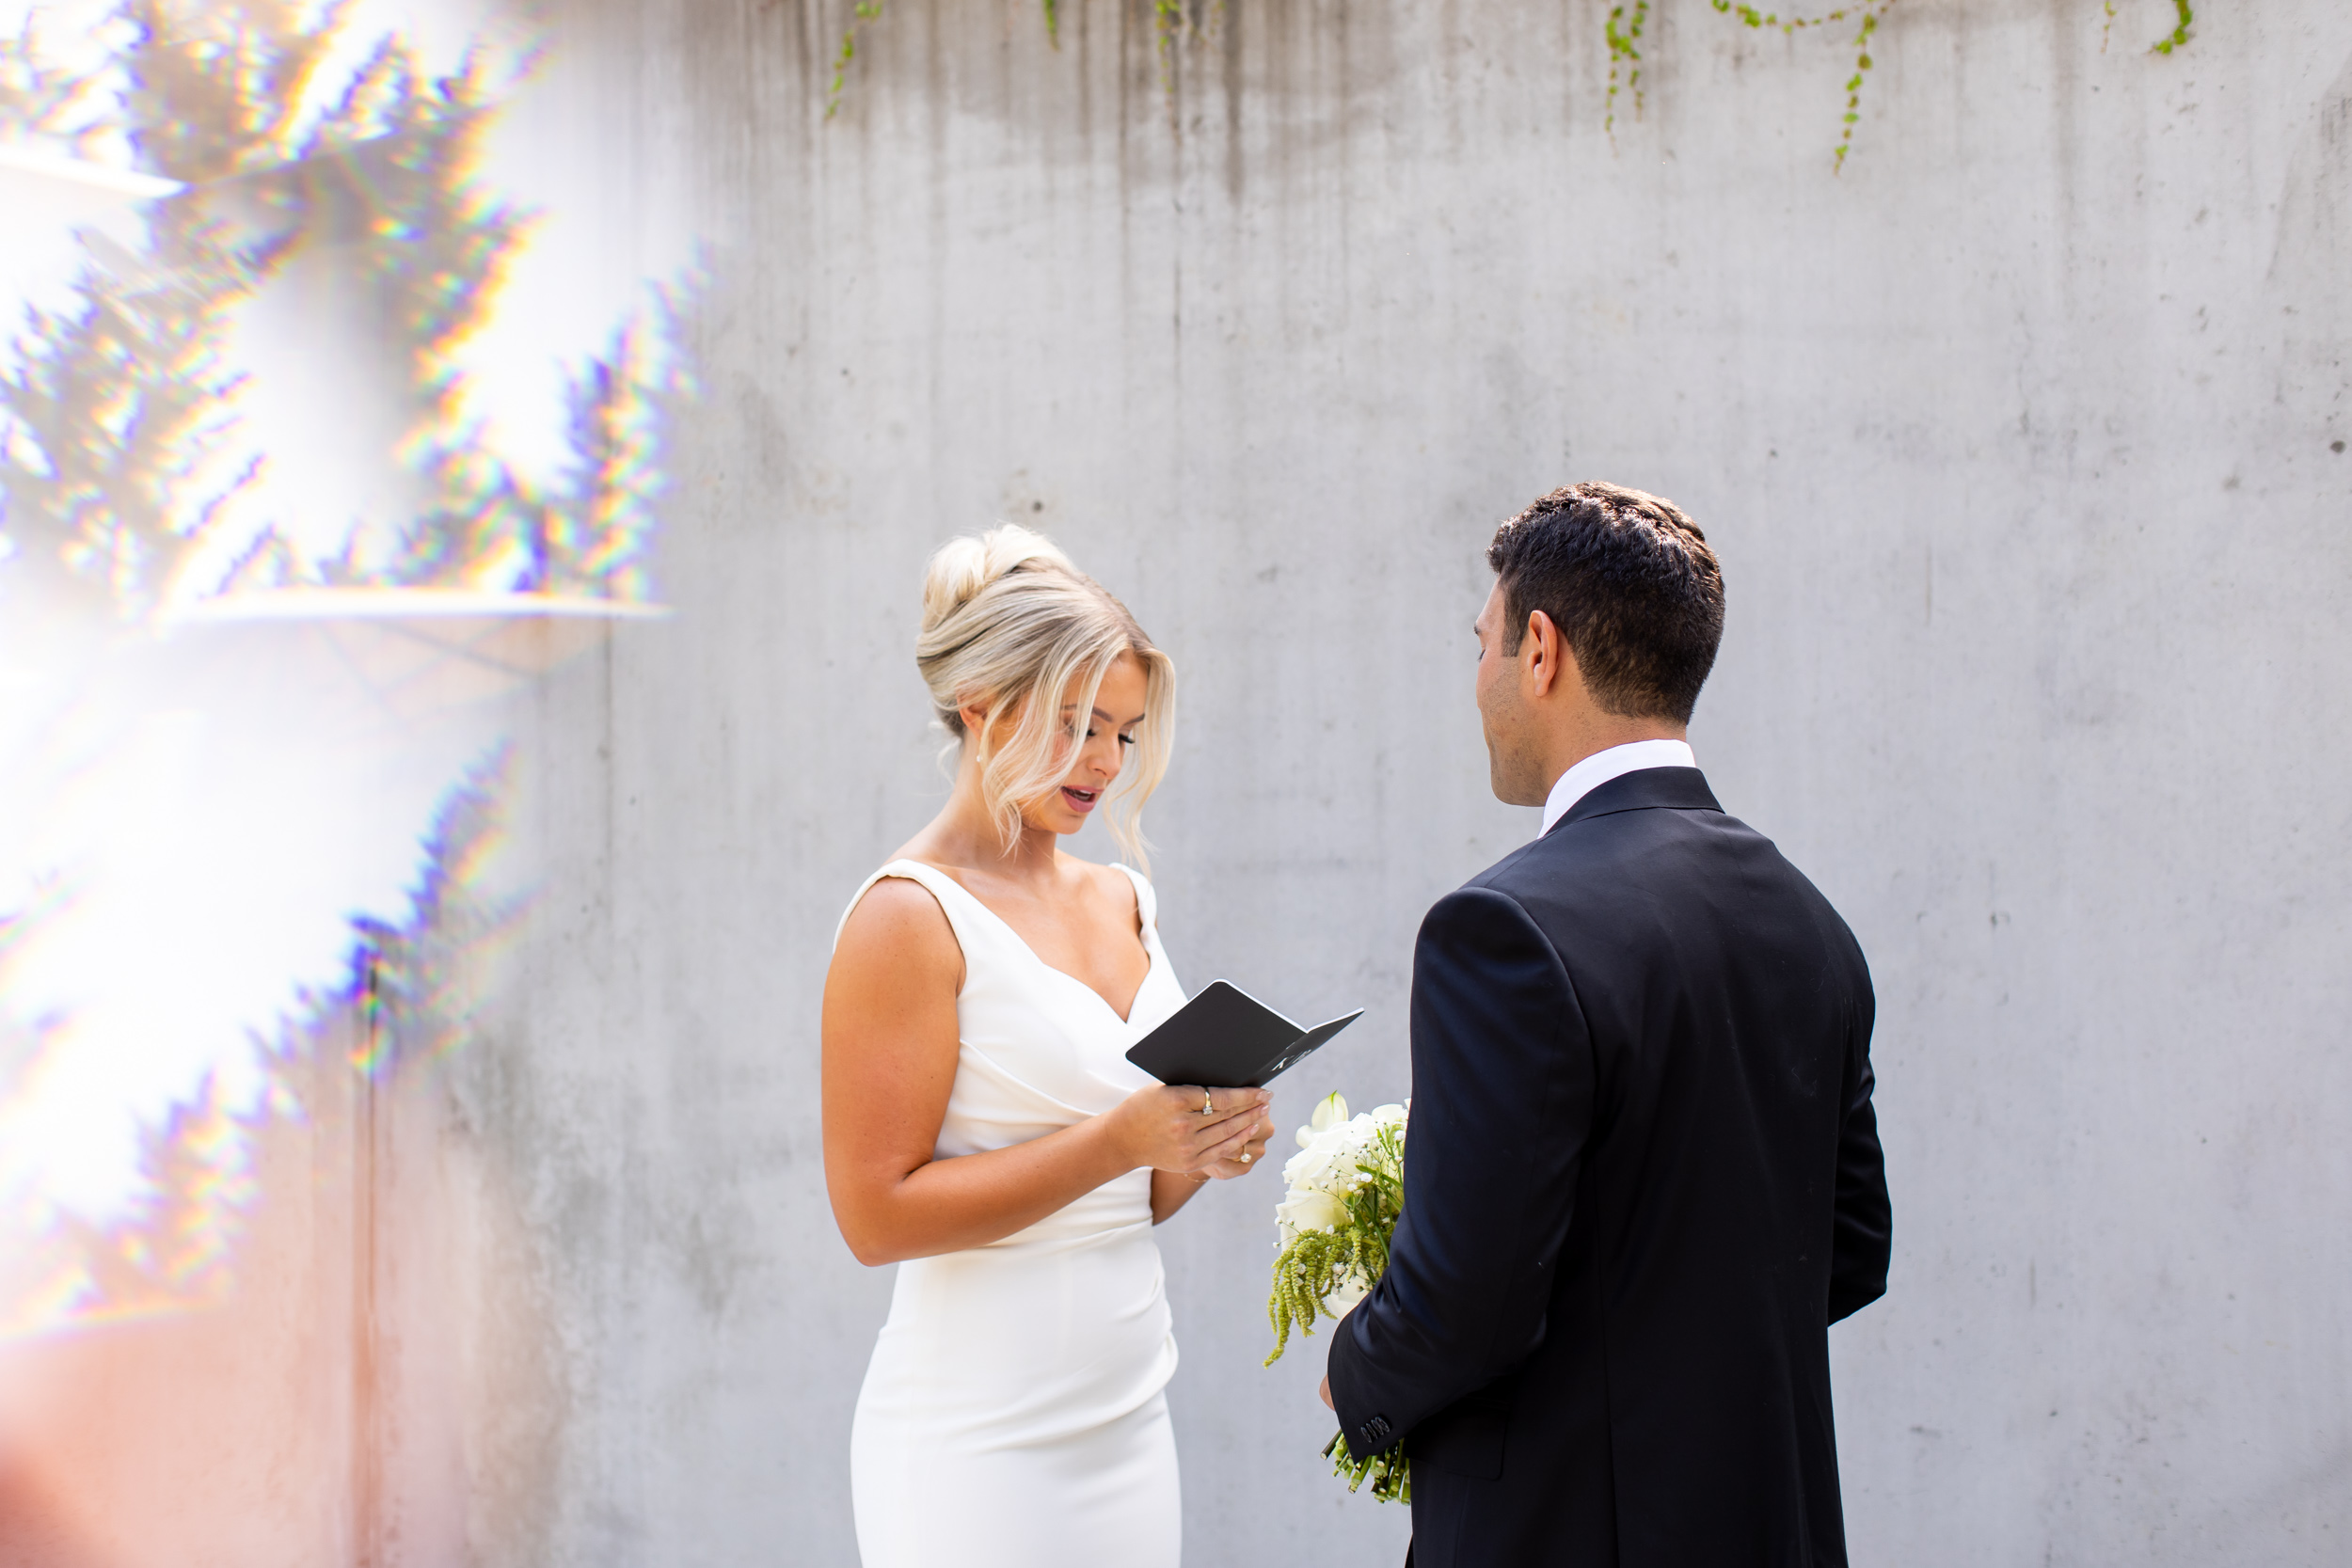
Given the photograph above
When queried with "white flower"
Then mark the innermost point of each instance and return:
(1362, 1134)
(1338, 1156)
(1329, 1113)
(1311, 1210)
(1326, 1165)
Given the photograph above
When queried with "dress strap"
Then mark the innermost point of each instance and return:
(1147, 902)
(941, 886)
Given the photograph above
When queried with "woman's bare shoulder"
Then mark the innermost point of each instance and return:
(899, 923)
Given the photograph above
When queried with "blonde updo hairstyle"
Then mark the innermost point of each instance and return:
(1010, 626)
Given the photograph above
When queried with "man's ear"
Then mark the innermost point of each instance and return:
(1548, 652)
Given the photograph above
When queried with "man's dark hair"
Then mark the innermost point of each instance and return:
(1632, 587)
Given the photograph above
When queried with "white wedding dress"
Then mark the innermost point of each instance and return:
(1012, 1416)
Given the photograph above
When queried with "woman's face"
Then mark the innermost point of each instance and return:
(1097, 743)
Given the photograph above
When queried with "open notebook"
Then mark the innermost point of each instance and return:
(1225, 1039)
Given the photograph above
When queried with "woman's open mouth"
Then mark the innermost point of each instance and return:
(1081, 800)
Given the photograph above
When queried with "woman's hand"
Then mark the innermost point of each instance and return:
(1240, 1135)
(1192, 1132)
(1251, 1156)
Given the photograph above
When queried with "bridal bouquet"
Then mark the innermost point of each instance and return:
(1345, 1188)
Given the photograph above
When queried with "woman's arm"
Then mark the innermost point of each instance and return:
(889, 1065)
(1171, 1192)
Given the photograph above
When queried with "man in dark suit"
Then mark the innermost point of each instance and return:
(1643, 1177)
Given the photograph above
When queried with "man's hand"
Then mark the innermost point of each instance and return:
(1326, 1392)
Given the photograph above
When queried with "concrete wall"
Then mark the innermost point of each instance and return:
(2023, 443)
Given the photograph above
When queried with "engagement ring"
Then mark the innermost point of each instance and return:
(1245, 1157)
(1208, 1103)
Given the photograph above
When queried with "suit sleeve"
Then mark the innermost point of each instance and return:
(1502, 1105)
(1863, 1241)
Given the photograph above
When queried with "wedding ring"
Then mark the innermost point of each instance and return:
(1208, 1103)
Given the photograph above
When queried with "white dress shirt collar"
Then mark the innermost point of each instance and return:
(1603, 766)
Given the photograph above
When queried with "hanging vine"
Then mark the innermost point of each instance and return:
(1625, 55)
(1626, 23)
(1868, 14)
(1168, 23)
(1624, 31)
(2183, 17)
(2179, 35)
(870, 11)
(1171, 20)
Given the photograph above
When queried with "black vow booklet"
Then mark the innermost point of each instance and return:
(1224, 1039)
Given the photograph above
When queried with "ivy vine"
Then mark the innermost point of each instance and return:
(1625, 25)
(2183, 16)
(1627, 22)
(871, 10)
(1625, 53)
(1171, 19)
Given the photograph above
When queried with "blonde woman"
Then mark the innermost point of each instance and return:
(983, 1128)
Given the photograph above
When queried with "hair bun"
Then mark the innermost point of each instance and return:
(961, 569)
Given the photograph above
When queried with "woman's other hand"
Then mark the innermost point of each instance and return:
(1193, 1131)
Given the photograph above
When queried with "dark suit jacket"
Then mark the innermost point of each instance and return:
(1643, 1178)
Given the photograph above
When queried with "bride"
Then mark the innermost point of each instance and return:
(983, 1128)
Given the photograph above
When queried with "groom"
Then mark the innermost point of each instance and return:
(1644, 1176)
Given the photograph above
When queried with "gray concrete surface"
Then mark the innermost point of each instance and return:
(2023, 442)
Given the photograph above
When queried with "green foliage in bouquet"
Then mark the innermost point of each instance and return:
(1319, 1263)
(1346, 1192)
(1389, 1472)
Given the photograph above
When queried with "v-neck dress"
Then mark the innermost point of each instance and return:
(1013, 1413)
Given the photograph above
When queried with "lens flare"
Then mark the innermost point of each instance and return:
(298, 489)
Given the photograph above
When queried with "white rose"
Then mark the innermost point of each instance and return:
(1311, 1210)
(1361, 1137)
(1326, 1165)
